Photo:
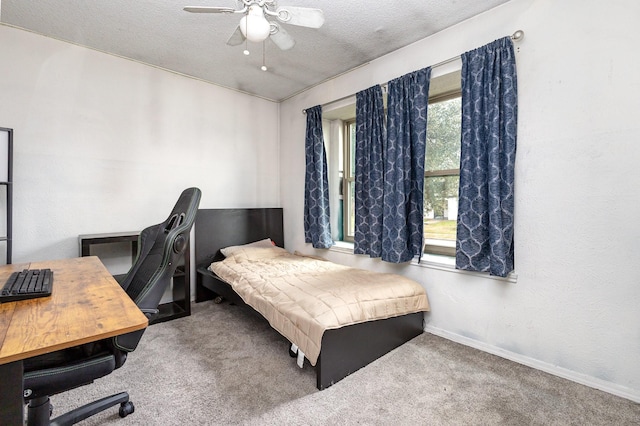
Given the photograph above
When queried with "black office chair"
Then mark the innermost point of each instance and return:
(160, 248)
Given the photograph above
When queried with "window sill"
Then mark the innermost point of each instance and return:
(342, 247)
(448, 263)
(431, 261)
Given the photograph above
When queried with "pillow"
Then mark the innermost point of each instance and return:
(256, 254)
(266, 243)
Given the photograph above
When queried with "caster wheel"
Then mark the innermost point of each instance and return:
(218, 300)
(126, 408)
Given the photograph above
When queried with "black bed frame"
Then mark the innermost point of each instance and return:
(343, 350)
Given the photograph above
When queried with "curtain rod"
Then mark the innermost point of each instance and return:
(516, 36)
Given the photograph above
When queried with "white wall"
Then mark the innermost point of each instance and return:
(104, 144)
(574, 309)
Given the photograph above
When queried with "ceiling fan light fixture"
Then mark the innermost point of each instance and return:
(262, 19)
(254, 25)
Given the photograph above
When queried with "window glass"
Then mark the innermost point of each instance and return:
(349, 183)
(443, 135)
(352, 149)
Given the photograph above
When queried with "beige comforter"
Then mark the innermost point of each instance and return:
(301, 297)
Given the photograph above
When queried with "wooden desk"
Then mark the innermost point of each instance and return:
(86, 305)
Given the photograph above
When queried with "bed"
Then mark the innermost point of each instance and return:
(342, 349)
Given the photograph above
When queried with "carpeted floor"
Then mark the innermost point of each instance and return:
(223, 366)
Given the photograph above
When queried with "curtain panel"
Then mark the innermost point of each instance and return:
(488, 149)
(317, 229)
(402, 232)
(369, 174)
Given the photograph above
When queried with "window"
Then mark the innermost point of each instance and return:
(442, 165)
(442, 175)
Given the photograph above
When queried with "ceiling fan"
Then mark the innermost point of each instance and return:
(254, 25)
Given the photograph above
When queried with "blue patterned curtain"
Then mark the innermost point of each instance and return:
(369, 182)
(404, 166)
(317, 229)
(488, 151)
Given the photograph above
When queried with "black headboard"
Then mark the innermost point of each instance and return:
(219, 228)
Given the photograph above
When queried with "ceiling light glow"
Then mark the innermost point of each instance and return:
(254, 25)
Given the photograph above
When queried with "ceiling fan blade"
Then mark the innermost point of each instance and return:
(205, 9)
(281, 38)
(237, 38)
(302, 16)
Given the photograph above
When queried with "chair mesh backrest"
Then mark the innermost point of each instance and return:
(161, 247)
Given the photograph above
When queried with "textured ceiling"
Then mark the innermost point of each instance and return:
(160, 33)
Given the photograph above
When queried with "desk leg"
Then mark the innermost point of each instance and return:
(11, 402)
(134, 251)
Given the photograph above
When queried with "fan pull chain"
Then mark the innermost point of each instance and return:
(246, 41)
(264, 66)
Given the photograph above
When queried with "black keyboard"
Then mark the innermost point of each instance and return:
(27, 284)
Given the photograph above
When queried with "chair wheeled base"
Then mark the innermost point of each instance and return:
(39, 410)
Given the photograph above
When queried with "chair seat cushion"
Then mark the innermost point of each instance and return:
(62, 372)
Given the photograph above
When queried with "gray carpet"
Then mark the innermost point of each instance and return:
(223, 365)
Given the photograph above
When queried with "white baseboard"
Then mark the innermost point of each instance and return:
(583, 379)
